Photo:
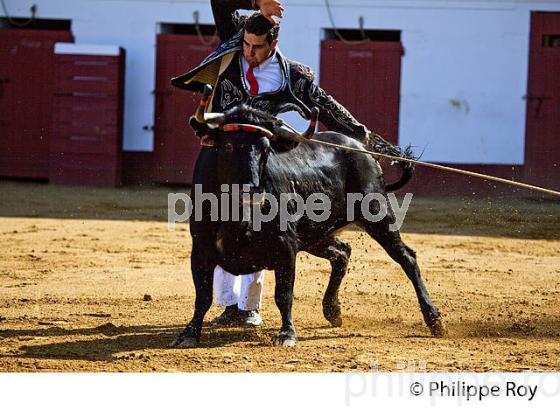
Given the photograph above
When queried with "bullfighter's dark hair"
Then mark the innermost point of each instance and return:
(258, 25)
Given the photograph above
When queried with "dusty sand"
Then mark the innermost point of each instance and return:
(76, 263)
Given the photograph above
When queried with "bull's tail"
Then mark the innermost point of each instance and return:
(407, 168)
(378, 144)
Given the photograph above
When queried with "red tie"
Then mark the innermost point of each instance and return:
(254, 90)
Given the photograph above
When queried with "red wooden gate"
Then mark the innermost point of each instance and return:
(365, 78)
(175, 145)
(542, 140)
(86, 145)
(26, 88)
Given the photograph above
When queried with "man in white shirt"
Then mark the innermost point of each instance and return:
(242, 295)
(267, 74)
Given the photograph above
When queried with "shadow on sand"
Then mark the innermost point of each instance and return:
(112, 342)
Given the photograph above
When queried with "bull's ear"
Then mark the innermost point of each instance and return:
(202, 132)
(208, 140)
(195, 125)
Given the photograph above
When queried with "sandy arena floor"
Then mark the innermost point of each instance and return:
(76, 264)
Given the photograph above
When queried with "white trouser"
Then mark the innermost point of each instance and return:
(244, 290)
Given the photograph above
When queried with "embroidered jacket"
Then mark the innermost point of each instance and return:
(222, 70)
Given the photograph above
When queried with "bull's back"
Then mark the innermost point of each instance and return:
(312, 168)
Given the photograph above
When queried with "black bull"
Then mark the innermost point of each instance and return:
(251, 159)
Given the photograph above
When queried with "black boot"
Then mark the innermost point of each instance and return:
(249, 318)
(229, 317)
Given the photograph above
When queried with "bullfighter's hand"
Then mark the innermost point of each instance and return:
(270, 8)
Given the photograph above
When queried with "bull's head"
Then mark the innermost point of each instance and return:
(242, 158)
(242, 138)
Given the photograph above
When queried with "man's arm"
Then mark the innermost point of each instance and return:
(269, 8)
(227, 19)
(338, 119)
(332, 114)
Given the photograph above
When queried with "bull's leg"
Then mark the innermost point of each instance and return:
(337, 252)
(405, 256)
(203, 275)
(284, 297)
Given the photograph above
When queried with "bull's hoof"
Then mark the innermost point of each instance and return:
(184, 341)
(289, 343)
(333, 315)
(285, 339)
(335, 319)
(438, 328)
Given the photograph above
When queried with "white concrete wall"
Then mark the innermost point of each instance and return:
(464, 72)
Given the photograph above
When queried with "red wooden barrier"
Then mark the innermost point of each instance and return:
(366, 79)
(86, 145)
(542, 142)
(175, 145)
(27, 67)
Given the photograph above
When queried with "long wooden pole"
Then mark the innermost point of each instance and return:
(436, 166)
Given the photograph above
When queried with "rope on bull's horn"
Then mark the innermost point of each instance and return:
(436, 166)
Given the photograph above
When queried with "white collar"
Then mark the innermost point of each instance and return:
(264, 65)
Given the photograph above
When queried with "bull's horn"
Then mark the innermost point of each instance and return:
(206, 93)
(312, 124)
(215, 118)
(286, 133)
